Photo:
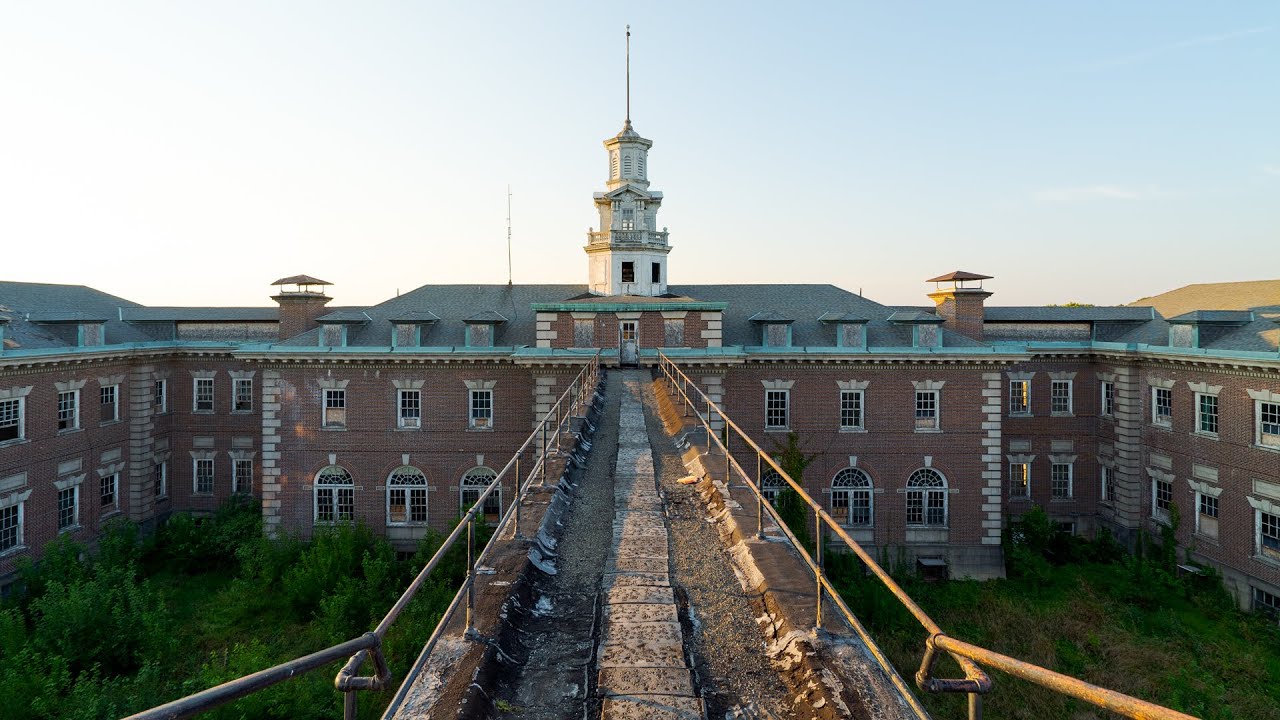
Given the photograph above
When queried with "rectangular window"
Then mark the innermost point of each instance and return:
(1019, 397)
(1206, 414)
(10, 527)
(1060, 480)
(406, 335)
(1269, 535)
(335, 409)
(69, 410)
(1060, 397)
(110, 397)
(242, 394)
(628, 220)
(202, 397)
(775, 410)
(851, 410)
(1108, 398)
(160, 397)
(1162, 406)
(68, 507)
(1269, 424)
(479, 335)
(1161, 498)
(1207, 522)
(926, 410)
(584, 333)
(673, 332)
(656, 273)
(777, 335)
(1266, 603)
(160, 479)
(1108, 483)
(109, 490)
(628, 272)
(1019, 480)
(410, 412)
(11, 420)
(203, 469)
(481, 413)
(242, 476)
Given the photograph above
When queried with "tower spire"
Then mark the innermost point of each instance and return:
(627, 124)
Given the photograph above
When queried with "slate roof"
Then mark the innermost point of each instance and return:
(18, 299)
(344, 317)
(1214, 317)
(1041, 313)
(200, 314)
(1249, 295)
(959, 275)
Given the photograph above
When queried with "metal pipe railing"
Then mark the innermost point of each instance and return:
(575, 397)
(970, 657)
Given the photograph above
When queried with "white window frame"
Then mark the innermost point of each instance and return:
(236, 384)
(1164, 421)
(114, 391)
(473, 483)
(936, 415)
(75, 508)
(479, 417)
(160, 485)
(1071, 472)
(859, 410)
(1156, 511)
(403, 421)
(1270, 552)
(202, 392)
(242, 479)
(1260, 438)
(771, 486)
(775, 395)
(160, 396)
(1025, 468)
(1107, 476)
(333, 399)
(1020, 397)
(20, 528)
(927, 494)
(1054, 397)
(333, 494)
(20, 419)
(74, 420)
(114, 479)
(411, 491)
(1107, 398)
(1203, 499)
(853, 483)
(1200, 397)
(195, 476)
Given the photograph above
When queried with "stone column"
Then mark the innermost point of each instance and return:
(271, 453)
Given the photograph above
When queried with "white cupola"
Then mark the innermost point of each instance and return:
(627, 254)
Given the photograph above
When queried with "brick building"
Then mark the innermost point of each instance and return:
(931, 426)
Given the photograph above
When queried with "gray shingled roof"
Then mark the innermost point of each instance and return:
(1040, 313)
(344, 317)
(1247, 295)
(1214, 317)
(17, 299)
(200, 314)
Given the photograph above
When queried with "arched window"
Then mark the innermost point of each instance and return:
(927, 498)
(473, 484)
(772, 485)
(335, 495)
(640, 163)
(626, 165)
(407, 497)
(851, 498)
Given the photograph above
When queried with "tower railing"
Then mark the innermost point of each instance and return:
(975, 682)
(627, 237)
(546, 437)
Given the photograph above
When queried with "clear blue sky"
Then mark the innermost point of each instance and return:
(190, 153)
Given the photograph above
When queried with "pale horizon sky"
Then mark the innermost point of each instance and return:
(184, 153)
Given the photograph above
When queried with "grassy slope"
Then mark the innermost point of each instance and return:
(1181, 649)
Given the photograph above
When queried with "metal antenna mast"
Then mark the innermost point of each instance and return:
(508, 236)
(628, 123)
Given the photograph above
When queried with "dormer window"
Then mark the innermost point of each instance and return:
(482, 328)
(407, 335)
(91, 334)
(333, 335)
(775, 328)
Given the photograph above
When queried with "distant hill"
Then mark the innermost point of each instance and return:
(1248, 295)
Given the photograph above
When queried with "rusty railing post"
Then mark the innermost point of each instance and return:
(975, 706)
(759, 502)
(349, 705)
(818, 571)
(471, 574)
(519, 496)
